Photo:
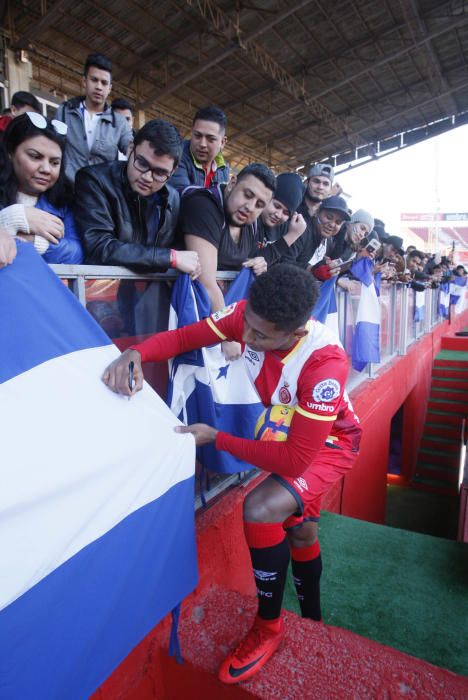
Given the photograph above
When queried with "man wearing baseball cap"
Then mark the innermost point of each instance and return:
(319, 186)
(316, 243)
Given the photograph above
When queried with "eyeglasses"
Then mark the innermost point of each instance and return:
(41, 123)
(158, 174)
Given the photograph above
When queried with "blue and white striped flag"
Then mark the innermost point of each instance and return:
(325, 309)
(203, 386)
(419, 306)
(444, 299)
(366, 339)
(97, 539)
(457, 293)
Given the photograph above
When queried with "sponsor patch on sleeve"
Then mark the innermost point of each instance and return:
(326, 391)
(222, 313)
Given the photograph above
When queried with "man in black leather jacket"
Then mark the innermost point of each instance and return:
(126, 213)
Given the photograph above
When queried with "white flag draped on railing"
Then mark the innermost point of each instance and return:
(419, 306)
(444, 299)
(366, 339)
(96, 505)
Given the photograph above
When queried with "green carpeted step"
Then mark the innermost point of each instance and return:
(452, 355)
(403, 589)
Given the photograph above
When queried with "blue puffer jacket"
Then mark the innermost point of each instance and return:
(190, 172)
(69, 249)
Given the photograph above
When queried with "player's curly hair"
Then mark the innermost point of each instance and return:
(285, 295)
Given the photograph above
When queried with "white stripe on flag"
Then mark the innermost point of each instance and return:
(62, 493)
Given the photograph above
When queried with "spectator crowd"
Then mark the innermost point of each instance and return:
(85, 187)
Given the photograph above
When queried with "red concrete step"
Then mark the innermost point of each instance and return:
(452, 407)
(429, 487)
(450, 364)
(456, 372)
(447, 460)
(450, 383)
(433, 473)
(314, 662)
(454, 342)
(455, 395)
(437, 429)
(435, 415)
(430, 443)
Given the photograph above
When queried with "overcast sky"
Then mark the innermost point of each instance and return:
(413, 179)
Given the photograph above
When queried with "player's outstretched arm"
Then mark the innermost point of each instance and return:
(125, 374)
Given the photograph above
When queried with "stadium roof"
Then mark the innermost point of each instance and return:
(300, 80)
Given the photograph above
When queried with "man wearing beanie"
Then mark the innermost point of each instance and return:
(348, 242)
(279, 222)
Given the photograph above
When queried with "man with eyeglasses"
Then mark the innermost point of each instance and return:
(126, 212)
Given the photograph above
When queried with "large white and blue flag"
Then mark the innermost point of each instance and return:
(97, 539)
(325, 309)
(366, 339)
(203, 386)
(444, 299)
(419, 313)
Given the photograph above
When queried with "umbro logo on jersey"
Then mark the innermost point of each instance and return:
(320, 407)
(252, 356)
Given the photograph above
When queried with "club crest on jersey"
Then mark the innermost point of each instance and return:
(326, 391)
(284, 395)
(222, 313)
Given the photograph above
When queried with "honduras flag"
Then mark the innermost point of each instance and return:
(419, 306)
(203, 386)
(366, 339)
(96, 506)
(444, 299)
(325, 309)
(457, 293)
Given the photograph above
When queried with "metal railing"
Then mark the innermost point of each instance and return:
(130, 306)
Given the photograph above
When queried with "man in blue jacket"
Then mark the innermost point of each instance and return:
(202, 161)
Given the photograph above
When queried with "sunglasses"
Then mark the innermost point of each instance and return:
(41, 123)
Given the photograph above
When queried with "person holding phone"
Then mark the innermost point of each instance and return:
(347, 245)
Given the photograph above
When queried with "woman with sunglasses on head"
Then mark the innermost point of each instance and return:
(34, 197)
